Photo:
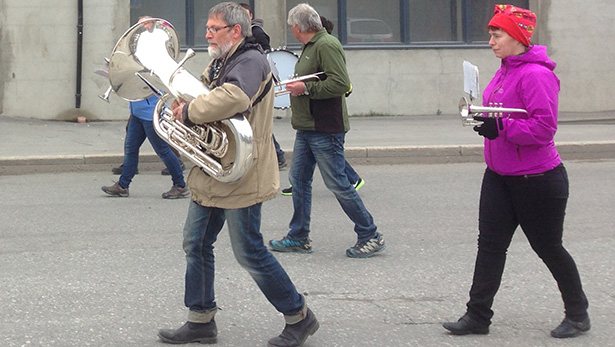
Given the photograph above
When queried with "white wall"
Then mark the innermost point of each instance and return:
(580, 40)
(38, 40)
(39, 57)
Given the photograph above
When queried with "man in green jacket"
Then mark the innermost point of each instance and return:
(238, 77)
(319, 115)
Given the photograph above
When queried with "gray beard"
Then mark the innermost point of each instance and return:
(219, 51)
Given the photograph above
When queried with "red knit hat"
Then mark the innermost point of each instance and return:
(517, 22)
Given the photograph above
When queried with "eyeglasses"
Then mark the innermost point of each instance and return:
(214, 30)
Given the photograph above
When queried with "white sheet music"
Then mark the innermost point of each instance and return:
(470, 80)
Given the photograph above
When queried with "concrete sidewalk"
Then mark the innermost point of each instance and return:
(30, 145)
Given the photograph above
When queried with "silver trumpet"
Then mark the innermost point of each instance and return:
(314, 76)
(467, 111)
(144, 62)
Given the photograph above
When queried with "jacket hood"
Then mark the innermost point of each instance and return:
(257, 22)
(536, 55)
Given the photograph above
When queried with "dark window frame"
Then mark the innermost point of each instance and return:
(342, 5)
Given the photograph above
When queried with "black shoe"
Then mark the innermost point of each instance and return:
(282, 164)
(118, 170)
(466, 325)
(294, 335)
(166, 172)
(287, 191)
(570, 328)
(191, 332)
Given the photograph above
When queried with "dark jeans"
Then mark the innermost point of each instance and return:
(136, 133)
(278, 150)
(203, 224)
(326, 150)
(537, 203)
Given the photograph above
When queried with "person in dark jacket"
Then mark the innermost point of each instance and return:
(525, 183)
(260, 36)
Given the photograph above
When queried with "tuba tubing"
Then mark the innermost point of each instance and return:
(467, 112)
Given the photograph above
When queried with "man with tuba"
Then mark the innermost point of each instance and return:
(240, 81)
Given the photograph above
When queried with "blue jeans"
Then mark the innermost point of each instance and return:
(353, 176)
(139, 129)
(326, 150)
(203, 225)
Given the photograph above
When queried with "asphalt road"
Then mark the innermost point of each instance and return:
(78, 268)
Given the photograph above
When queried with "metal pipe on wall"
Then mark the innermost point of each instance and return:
(79, 52)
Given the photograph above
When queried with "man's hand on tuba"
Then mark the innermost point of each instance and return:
(178, 108)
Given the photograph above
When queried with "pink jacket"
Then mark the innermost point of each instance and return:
(525, 145)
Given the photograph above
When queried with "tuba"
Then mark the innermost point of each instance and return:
(467, 112)
(143, 62)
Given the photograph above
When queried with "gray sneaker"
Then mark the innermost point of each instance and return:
(288, 245)
(176, 192)
(367, 248)
(115, 190)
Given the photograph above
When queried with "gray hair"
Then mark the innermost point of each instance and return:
(232, 13)
(306, 17)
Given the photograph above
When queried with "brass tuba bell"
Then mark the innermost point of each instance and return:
(143, 62)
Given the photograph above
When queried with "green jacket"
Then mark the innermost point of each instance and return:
(324, 109)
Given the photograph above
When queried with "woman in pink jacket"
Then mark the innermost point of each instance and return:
(525, 183)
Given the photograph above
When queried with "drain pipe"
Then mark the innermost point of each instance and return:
(79, 51)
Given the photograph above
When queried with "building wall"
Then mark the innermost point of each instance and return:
(39, 56)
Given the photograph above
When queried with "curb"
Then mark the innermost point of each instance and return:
(364, 155)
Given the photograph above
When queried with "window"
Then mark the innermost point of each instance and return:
(189, 17)
(407, 23)
(369, 23)
(435, 21)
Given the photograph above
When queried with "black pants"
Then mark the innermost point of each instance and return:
(537, 203)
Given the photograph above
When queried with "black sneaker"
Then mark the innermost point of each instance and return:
(166, 172)
(288, 245)
(176, 192)
(191, 332)
(115, 190)
(367, 248)
(287, 191)
(294, 335)
(118, 170)
(570, 328)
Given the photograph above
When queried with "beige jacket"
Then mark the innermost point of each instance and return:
(242, 79)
